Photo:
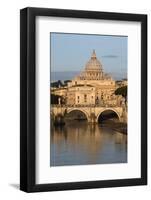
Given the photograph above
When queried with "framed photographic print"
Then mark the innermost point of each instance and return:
(83, 99)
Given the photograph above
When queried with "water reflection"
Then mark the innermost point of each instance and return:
(80, 143)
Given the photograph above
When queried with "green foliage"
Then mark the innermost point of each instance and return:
(57, 84)
(121, 91)
(55, 99)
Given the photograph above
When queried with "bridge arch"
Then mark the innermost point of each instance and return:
(108, 109)
(78, 110)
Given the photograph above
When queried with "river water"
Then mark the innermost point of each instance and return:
(80, 143)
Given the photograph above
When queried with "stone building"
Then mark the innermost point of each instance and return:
(91, 87)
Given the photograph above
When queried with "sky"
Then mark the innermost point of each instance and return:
(70, 52)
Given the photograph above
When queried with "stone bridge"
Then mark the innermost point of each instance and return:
(92, 113)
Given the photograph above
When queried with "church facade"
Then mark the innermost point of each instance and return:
(91, 87)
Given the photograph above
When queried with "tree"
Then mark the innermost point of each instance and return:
(55, 99)
(57, 84)
(122, 91)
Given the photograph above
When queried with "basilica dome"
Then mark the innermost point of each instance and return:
(93, 64)
(93, 70)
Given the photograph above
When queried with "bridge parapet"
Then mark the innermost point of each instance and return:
(92, 112)
(81, 105)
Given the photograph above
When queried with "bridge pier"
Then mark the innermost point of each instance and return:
(92, 118)
(59, 120)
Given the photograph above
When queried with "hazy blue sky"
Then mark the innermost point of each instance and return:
(70, 52)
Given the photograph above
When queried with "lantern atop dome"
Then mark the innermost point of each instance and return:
(93, 54)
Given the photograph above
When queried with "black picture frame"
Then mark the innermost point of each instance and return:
(28, 99)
